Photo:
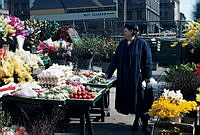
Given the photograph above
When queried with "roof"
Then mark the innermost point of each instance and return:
(58, 4)
(46, 4)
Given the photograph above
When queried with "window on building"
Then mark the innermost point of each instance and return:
(24, 7)
(5, 4)
(129, 15)
(139, 15)
(165, 13)
(16, 5)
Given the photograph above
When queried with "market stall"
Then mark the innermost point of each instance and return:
(60, 86)
(83, 106)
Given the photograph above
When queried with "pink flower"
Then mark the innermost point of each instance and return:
(69, 53)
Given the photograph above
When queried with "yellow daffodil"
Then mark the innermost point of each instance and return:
(168, 108)
(198, 89)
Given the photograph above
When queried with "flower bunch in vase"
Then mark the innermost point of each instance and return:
(171, 105)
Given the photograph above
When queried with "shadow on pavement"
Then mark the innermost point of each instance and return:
(102, 129)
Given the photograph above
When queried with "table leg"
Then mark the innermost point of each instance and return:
(82, 124)
(89, 124)
(102, 109)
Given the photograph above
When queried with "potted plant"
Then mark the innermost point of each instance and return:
(84, 52)
(191, 41)
(106, 49)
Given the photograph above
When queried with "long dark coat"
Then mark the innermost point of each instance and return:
(129, 78)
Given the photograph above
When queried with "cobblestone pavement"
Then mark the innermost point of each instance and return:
(116, 123)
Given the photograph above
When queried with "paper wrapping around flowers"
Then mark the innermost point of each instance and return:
(20, 41)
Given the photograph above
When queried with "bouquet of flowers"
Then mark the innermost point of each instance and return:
(11, 26)
(56, 49)
(62, 33)
(171, 105)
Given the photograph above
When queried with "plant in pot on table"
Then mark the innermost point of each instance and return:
(84, 51)
(106, 48)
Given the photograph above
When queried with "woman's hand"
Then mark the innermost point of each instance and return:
(147, 80)
(106, 76)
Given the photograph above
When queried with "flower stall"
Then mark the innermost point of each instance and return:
(169, 109)
(57, 86)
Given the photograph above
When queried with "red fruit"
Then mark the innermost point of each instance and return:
(79, 93)
(71, 95)
(79, 90)
(88, 97)
(84, 96)
(83, 93)
(75, 93)
(93, 96)
(76, 96)
(80, 97)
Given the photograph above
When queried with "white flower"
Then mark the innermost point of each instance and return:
(172, 94)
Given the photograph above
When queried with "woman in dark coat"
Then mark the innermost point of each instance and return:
(133, 62)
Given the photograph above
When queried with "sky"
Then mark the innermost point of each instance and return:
(186, 7)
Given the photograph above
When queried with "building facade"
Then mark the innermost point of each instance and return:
(145, 13)
(169, 13)
(4, 7)
(19, 8)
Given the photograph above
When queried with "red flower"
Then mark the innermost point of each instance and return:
(197, 69)
(51, 48)
(42, 45)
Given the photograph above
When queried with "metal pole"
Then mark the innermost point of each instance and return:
(104, 24)
(117, 8)
(84, 26)
(125, 11)
(73, 23)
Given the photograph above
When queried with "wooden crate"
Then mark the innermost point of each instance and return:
(174, 128)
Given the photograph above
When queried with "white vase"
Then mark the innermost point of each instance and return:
(20, 41)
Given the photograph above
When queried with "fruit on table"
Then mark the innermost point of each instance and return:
(82, 94)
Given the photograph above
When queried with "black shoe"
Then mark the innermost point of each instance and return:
(144, 128)
(135, 125)
(145, 119)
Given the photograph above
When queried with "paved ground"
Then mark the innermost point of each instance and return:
(116, 124)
